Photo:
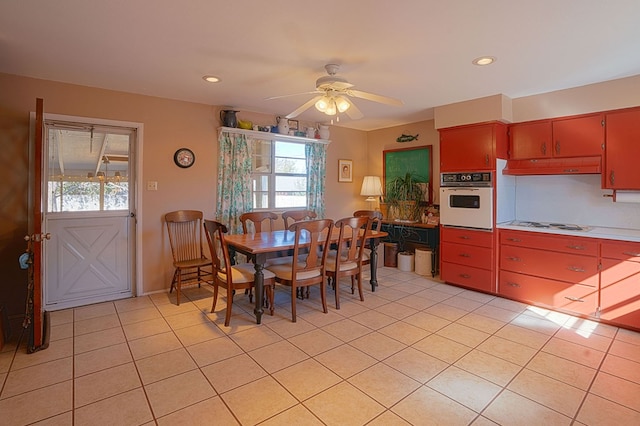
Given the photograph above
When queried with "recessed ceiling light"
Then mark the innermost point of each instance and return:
(211, 78)
(484, 60)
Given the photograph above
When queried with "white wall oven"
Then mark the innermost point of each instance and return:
(466, 199)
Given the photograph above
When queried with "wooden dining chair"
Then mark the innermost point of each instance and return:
(253, 221)
(311, 254)
(376, 224)
(232, 277)
(185, 238)
(346, 259)
(292, 216)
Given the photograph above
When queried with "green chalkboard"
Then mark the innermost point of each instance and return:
(417, 161)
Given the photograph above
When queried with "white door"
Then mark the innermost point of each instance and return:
(89, 214)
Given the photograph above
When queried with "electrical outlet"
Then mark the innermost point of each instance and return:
(152, 185)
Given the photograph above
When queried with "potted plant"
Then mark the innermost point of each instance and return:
(404, 195)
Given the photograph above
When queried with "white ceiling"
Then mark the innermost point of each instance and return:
(419, 51)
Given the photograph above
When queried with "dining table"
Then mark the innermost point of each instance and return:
(261, 246)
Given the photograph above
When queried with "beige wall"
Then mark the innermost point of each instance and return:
(383, 139)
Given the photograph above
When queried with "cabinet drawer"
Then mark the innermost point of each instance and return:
(620, 292)
(462, 254)
(571, 268)
(466, 236)
(467, 276)
(621, 250)
(556, 294)
(560, 243)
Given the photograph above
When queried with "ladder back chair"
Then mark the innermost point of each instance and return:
(311, 254)
(346, 260)
(253, 221)
(376, 224)
(185, 238)
(231, 277)
(292, 216)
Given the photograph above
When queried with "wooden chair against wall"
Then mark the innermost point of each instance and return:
(185, 238)
(255, 220)
(346, 260)
(231, 277)
(376, 224)
(292, 216)
(309, 269)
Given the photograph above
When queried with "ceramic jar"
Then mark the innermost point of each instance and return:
(283, 125)
(323, 131)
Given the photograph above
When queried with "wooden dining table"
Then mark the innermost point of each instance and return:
(260, 246)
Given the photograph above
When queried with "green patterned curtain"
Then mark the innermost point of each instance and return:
(234, 180)
(316, 173)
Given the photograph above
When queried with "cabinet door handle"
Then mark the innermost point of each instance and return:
(571, 170)
(465, 237)
(631, 253)
(464, 255)
(465, 275)
(557, 147)
(612, 177)
(515, 259)
(575, 269)
(486, 159)
(515, 240)
(543, 148)
(576, 247)
(512, 284)
(574, 299)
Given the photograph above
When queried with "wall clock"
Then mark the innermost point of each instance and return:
(184, 158)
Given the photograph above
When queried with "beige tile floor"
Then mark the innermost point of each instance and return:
(416, 352)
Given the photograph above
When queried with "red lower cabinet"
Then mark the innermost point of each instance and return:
(467, 258)
(620, 283)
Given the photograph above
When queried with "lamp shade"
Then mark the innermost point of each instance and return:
(371, 187)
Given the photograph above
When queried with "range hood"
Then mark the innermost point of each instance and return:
(554, 166)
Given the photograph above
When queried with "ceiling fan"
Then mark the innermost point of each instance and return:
(332, 96)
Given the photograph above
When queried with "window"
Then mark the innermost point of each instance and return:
(283, 185)
(88, 167)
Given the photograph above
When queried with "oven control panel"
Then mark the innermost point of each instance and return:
(480, 179)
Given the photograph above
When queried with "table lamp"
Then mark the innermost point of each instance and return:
(371, 188)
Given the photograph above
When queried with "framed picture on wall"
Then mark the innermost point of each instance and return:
(345, 171)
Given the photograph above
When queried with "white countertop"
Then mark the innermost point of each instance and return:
(620, 234)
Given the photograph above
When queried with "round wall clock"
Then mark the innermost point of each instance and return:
(184, 158)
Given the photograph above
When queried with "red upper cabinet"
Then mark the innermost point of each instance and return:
(472, 148)
(530, 140)
(581, 136)
(622, 150)
(578, 137)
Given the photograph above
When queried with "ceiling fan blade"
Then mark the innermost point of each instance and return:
(353, 112)
(375, 98)
(304, 107)
(294, 94)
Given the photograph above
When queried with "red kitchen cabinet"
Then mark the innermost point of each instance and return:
(620, 283)
(468, 258)
(472, 148)
(555, 271)
(581, 136)
(622, 150)
(530, 140)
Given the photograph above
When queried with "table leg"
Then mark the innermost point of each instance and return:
(259, 287)
(373, 263)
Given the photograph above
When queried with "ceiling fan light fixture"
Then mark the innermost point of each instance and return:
(342, 104)
(331, 108)
(322, 104)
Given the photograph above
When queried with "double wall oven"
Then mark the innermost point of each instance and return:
(466, 199)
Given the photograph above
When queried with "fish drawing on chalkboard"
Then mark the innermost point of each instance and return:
(407, 138)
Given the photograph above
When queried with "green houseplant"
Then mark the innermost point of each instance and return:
(404, 195)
